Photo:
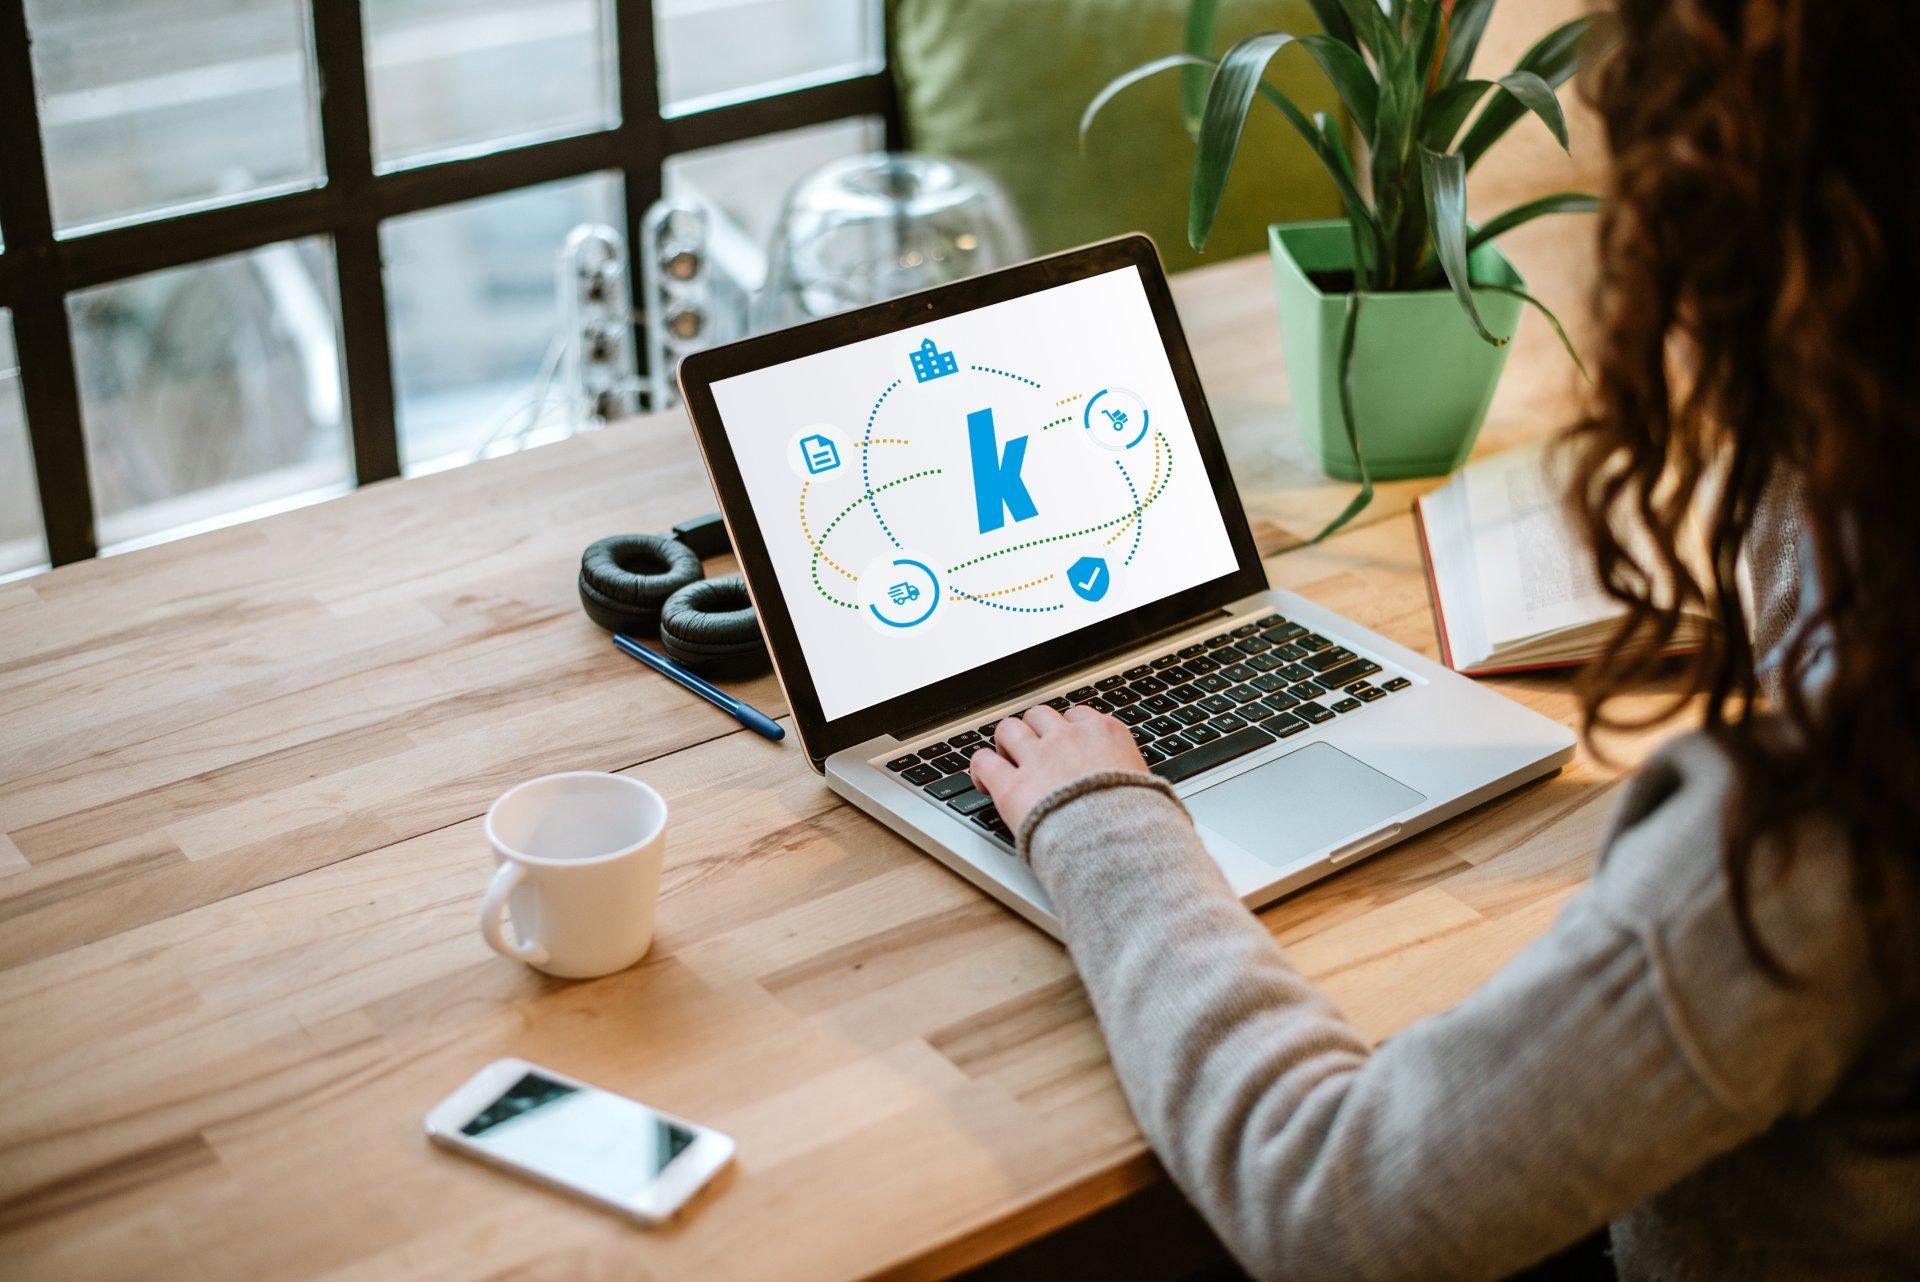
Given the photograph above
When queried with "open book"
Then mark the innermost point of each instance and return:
(1512, 580)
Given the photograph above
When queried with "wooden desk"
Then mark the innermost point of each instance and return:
(240, 861)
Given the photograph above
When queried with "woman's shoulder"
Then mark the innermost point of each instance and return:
(1664, 877)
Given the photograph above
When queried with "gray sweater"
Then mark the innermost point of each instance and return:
(1630, 1067)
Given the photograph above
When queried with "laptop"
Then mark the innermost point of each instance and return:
(1008, 491)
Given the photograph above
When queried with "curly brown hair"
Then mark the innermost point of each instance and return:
(1757, 303)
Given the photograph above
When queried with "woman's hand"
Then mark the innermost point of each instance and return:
(1039, 751)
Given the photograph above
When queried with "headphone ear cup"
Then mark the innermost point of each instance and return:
(625, 579)
(710, 627)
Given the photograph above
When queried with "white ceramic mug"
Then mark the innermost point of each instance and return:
(578, 859)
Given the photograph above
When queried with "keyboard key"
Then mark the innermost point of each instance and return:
(990, 819)
(1348, 704)
(1367, 693)
(1221, 750)
(1252, 645)
(1109, 683)
(1314, 713)
(1306, 690)
(1239, 672)
(1161, 703)
(1284, 633)
(1188, 716)
(1347, 673)
(1267, 683)
(1173, 745)
(1212, 683)
(1266, 662)
(1060, 704)
(969, 802)
(1081, 695)
(1134, 674)
(951, 786)
(1200, 734)
(921, 775)
(902, 763)
(1291, 652)
(1215, 704)
(1243, 694)
(1147, 685)
(1152, 755)
(1226, 723)
(1214, 643)
(1164, 661)
(1200, 667)
(1121, 696)
(1193, 651)
(951, 762)
(1283, 725)
(1175, 675)
(1329, 658)
(1268, 621)
(1293, 672)
(1141, 735)
(1398, 683)
(966, 742)
(1098, 704)
(1280, 702)
(1246, 629)
(1312, 640)
(1188, 693)
(987, 730)
(1163, 725)
(1133, 715)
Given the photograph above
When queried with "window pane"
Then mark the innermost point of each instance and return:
(23, 544)
(212, 393)
(458, 76)
(705, 58)
(473, 304)
(748, 181)
(151, 107)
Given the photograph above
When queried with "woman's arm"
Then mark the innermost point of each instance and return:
(1548, 1102)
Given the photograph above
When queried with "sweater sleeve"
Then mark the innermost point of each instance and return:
(1566, 1090)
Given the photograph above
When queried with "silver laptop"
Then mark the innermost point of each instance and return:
(1009, 491)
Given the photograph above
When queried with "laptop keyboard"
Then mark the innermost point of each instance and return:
(1190, 709)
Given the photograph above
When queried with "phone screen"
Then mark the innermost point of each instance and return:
(579, 1135)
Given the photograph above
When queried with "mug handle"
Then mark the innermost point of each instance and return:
(493, 918)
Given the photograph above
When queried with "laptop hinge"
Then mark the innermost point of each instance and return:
(1105, 656)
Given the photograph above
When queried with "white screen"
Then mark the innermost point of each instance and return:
(591, 1138)
(953, 493)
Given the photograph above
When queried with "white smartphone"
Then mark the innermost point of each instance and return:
(606, 1148)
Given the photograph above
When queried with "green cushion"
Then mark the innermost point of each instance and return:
(1002, 83)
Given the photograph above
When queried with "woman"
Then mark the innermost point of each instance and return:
(1716, 1048)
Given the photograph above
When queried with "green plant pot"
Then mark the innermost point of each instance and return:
(1422, 378)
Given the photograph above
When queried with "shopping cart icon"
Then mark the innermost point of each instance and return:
(902, 593)
(1116, 419)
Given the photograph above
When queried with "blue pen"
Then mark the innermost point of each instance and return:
(746, 714)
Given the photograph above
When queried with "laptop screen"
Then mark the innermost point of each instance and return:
(945, 495)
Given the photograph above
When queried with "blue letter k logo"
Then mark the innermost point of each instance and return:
(996, 474)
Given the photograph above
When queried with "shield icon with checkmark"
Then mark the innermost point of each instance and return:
(1090, 577)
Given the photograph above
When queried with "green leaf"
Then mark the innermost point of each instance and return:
(1359, 218)
(1203, 24)
(1446, 182)
(1552, 320)
(1537, 96)
(1426, 22)
(1552, 58)
(1468, 24)
(1126, 79)
(1333, 21)
(1350, 76)
(1229, 97)
(1447, 110)
(1365, 496)
(1560, 202)
(1372, 30)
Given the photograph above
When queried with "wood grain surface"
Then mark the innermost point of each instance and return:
(240, 862)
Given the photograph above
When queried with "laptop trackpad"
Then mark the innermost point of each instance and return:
(1302, 802)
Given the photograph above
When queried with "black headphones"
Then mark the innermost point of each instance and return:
(653, 585)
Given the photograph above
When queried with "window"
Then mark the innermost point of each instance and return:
(224, 292)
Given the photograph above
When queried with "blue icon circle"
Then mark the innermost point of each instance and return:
(1118, 425)
(917, 594)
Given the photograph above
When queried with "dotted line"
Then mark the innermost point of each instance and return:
(883, 440)
(866, 477)
(1018, 587)
(1159, 442)
(1001, 605)
(1121, 533)
(1048, 427)
(1018, 378)
(819, 549)
(1068, 400)
(1138, 520)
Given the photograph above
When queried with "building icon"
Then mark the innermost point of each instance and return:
(929, 362)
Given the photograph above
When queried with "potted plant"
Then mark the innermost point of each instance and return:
(1394, 321)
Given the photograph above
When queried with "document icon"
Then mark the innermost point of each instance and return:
(819, 454)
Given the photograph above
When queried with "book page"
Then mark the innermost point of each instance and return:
(1534, 573)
